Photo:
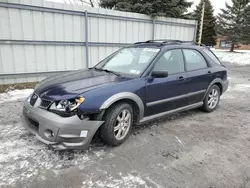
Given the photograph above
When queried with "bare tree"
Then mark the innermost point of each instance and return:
(92, 3)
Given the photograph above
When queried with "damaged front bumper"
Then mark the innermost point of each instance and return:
(59, 132)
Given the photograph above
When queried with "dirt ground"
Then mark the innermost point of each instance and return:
(190, 150)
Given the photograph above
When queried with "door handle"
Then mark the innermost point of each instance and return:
(209, 72)
(181, 78)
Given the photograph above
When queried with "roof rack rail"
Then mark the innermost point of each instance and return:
(189, 42)
(194, 43)
(169, 41)
(164, 41)
(139, 42)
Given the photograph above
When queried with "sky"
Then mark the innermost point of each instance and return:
(218, 4)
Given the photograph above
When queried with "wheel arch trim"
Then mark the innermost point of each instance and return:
(216, 80)
(124, 95)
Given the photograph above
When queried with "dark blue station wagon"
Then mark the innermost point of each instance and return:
(136, 84)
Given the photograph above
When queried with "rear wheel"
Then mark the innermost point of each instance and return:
(118, 121)
(212, 99)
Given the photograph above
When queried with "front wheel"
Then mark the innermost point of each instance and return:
(212, 99)
(118, 121)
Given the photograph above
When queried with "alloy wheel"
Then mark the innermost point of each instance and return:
(122, 125)
(213, 98)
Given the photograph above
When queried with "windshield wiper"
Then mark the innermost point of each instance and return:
(108, 71)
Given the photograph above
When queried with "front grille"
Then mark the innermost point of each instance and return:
(64, 114)
(33, 99)
(45, 103)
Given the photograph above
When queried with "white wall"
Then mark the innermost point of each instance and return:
(31, 33)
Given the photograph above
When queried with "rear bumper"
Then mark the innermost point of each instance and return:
(59, 132)
(225, 86)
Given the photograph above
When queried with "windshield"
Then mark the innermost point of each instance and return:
(129, 60)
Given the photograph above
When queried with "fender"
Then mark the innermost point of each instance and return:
(216, 80)
(124, 95)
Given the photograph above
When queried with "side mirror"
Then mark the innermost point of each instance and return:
(159, 74)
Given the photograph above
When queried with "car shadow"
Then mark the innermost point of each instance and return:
(165, 119)
(97, 144)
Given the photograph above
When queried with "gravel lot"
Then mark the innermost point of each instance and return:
(191, 149)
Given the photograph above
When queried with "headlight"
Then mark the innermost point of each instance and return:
(67, 105)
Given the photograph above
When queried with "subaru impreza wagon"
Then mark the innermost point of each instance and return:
(142, 82)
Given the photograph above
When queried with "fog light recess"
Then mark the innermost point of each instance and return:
(49, 133)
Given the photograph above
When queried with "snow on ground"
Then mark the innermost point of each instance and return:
(240, 88)
(15, 95)
(22, 152)
(240, 57)
(128, 180)
(227, 50)
(244, 89)
(23, 157)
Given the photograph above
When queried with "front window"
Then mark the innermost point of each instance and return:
(130, 60)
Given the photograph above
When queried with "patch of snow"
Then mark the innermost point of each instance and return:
(230, 94)
(153, 183)
(240, 88)
(100, 153)
(133, 179)
(227, 50)
(180, 142)
(15, 95)
(240, 58)
(227, 96)
(128, 181)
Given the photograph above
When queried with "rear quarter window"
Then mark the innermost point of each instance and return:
(194, 60)
(212, 56)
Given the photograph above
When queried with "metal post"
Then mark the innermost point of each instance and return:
(153, 29)
(195, 32)
(202, 19)
(87, 39)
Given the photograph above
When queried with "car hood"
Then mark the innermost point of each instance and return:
(69, 85)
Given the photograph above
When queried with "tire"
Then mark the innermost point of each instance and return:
(213, 94)
(115, 119)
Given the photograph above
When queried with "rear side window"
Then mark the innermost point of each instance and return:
(172, 61)
(212, 56)
(194, 60)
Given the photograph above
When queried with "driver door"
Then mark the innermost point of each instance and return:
(165, 94)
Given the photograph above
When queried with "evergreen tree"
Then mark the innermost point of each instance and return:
(246, 26)
(208, 33)
(167, 8)
(233, 22)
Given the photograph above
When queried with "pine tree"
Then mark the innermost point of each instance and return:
(246, 26)
(233, 22)
(209, 32)
(167, 8)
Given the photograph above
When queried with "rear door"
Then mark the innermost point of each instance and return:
(164, 94)
(199, 74)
